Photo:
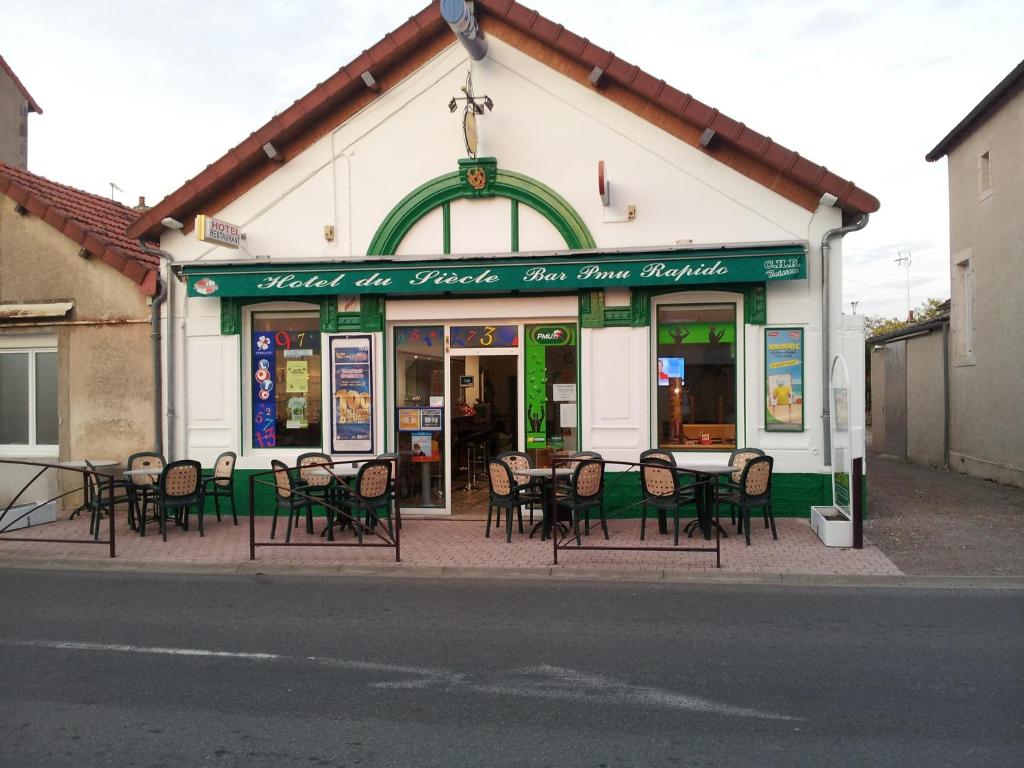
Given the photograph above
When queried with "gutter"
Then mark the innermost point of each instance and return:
(826, 331)
(164, 293)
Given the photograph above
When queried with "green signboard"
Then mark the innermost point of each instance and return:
(569, 272)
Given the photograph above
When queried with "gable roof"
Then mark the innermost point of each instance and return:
(1009, 85)
(32, 105)
(95, 223)
(403, 50)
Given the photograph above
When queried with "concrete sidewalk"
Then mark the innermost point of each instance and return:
(429, 546)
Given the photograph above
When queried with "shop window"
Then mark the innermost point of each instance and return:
(419, 420)
(28, 399)
(285, 381)
(551, 391)
(696, 377)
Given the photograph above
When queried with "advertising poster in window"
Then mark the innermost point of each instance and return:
(264, 401)
(351, 394)
(784, 380)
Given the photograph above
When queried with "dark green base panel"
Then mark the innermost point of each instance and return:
(793, 495)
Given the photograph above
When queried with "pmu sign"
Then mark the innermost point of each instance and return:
(217, 232)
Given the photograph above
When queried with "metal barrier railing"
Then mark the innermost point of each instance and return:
(93, 485)
(380, 536)
(707, 510)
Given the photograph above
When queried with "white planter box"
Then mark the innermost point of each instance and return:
(46, 513)
(834, 532)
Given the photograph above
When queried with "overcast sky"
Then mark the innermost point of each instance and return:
(146, 94)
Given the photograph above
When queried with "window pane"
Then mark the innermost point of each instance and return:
(419, 384)
(285, 381)
(14, 398)
(46, 398)
(697, 377)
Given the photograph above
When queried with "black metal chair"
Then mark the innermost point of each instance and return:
(102, 495)
(289, 497)
(755, 490)
(180, 488)
(662, 490)
(731, 483)
(370, 492)
(314, 483)
(143, 488)
(503, 493)
(221, 485)
(531, 491)
(585, 493)
(665, 455)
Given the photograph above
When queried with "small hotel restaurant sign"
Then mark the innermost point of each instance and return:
(217, 232)
(502, 275)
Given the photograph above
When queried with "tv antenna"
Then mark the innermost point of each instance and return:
(113, 186)
(903, 259)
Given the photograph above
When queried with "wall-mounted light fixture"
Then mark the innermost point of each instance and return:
(271, 151)
(707, 137)
(172, 223)
(371, 83)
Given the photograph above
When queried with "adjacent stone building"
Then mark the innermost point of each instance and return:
(15, 105)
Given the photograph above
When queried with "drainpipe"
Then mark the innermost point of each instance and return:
(165, 296)
(459, 15)
(826, 329)
(158, 407)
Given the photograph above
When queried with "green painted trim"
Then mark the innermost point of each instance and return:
(618, 317)
(755, 304)
(515, 225)
(592, 309)
(230, 317)
(446, 225)
(329, 314)
(371, 313)
(640, 307)
(455, 186)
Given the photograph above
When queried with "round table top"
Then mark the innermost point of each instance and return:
(542, 472)
(318, 470)
(708, 469)
(80, 463)
(142, 471)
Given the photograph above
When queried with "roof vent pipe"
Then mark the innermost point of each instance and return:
(459, 15)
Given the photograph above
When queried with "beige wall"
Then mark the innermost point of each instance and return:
(105, 391)
(987, 393)
(13, 123)
(926, 400)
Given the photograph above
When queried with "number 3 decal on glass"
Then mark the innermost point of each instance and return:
(488, 338)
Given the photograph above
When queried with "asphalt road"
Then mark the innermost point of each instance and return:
(127, 669)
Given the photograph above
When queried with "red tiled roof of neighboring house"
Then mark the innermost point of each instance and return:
(998, 96)
(398, 52)
(32, 105)
(92, 222)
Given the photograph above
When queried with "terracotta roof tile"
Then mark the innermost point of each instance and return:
(303, 117)
(94, 222)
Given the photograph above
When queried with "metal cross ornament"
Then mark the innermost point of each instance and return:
(474, 106)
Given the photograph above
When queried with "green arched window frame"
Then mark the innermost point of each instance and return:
(480, 178)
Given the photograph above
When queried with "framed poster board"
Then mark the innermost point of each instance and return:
(784, 379)
(351, 394)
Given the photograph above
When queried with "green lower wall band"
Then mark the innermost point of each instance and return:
(793, 495)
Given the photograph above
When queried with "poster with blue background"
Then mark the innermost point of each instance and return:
(351, 394)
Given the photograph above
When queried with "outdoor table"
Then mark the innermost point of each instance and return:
(425, 462)
(704, 475)
(546, 475)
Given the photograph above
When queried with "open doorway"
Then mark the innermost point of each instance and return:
(484, 422)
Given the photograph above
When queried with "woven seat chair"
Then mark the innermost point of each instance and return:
(291, 498)
(530, 492)
(102, 495)
(367, 495)
(663, 491)
(731, 483)
(503, 494)
(222, 483)
(585, 493)
(180, 488)
(755, 490)
(143, 488)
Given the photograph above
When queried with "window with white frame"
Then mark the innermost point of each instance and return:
(28, 398)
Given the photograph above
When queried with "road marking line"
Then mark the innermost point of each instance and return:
(543, 681)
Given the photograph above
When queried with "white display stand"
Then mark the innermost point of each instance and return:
(834, 524)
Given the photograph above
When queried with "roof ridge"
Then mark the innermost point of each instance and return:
(238, 169)
(96, 224)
